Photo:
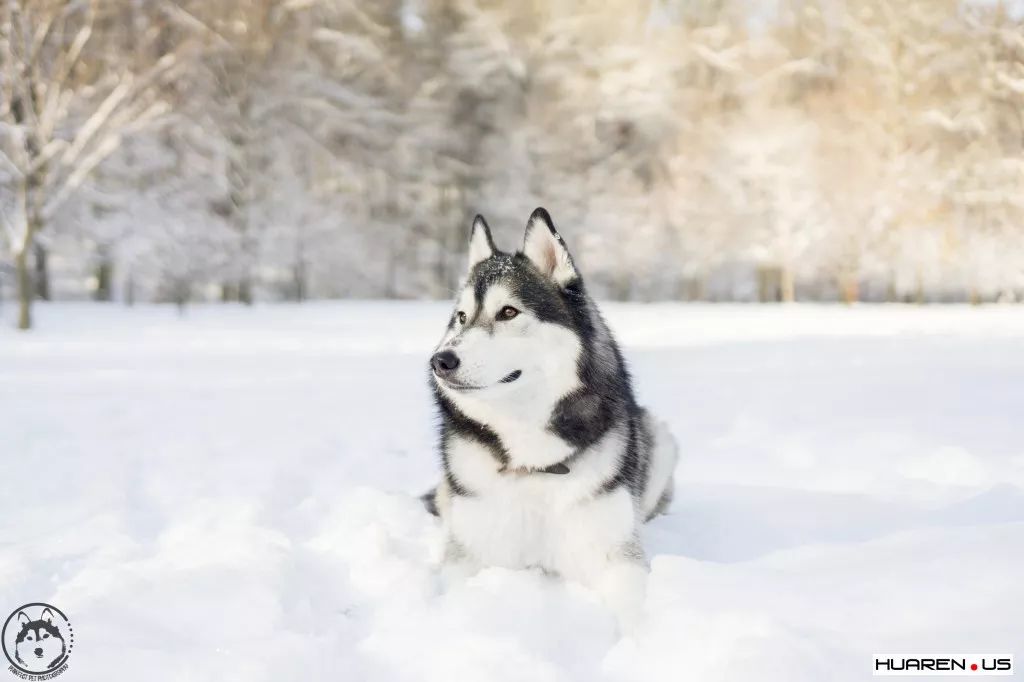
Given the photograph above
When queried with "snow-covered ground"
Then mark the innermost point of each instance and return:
(229, 495)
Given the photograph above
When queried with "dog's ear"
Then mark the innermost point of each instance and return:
(47, 615)
(22, 618)
(546, 250)
(481, 246)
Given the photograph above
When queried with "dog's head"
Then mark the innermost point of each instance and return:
(515, 329)
(39, 645)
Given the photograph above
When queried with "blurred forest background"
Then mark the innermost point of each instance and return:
(244, 150)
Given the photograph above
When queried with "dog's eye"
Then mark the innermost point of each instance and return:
(461, 317)
(507, 313)
(45, 635)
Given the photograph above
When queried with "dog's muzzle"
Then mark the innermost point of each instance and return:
(445, 362)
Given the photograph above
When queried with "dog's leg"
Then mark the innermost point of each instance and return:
(438, 499)
(429, 500)
(457, 565)
(601, 548)
(622, 584)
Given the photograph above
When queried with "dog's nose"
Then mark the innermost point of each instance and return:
(38, 651)
(444, 362)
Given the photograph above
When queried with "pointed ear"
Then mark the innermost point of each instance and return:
(47, 615)
(22, 618)
(546, 250)
(481, 246)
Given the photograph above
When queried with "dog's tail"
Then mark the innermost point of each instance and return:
(664, 454)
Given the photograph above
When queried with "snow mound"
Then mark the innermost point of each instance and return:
(231, 495)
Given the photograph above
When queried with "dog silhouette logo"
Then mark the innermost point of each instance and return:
(37, 640)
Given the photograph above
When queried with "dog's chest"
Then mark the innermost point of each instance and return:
(537, 519)
(516, 526)
(539, 528)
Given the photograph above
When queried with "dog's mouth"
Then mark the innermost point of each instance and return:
(511, 376)
(459, 386)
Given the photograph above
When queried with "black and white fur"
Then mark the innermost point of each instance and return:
(39, 645)
(548, 459)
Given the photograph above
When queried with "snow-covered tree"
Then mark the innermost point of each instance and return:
(695, 149)
(67, 100)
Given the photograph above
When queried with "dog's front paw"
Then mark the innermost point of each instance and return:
(455, 573)
(457, 566)
(623, 588)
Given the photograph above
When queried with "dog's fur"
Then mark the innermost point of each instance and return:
(548, 460)
(39, 645)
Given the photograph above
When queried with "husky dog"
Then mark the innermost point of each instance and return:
(39, 645)
(548, 460)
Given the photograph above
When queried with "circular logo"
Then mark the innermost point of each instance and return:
(37, 639)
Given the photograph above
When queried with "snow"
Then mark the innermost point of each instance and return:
(230, 495)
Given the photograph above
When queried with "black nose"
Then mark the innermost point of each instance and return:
(444, 362)
(39, 651)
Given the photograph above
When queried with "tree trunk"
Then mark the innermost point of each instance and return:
(787, 284)
(445, 244)
(391, 270)
(104, 281)
(42, 272)
(850, 289)
(245, 290)
(240, 179)
(691, 288)
(620, 288)
(129, 291)
(769, 287)
(25, 292)
(299, 282)
(182, 294)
